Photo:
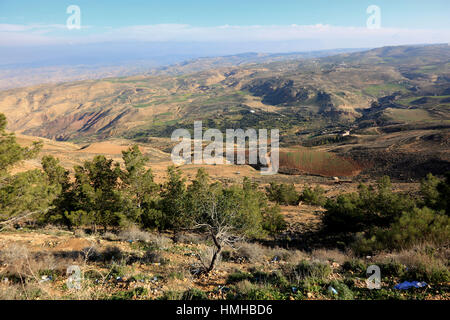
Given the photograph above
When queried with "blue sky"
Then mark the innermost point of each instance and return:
(102, 13)
(233, 26)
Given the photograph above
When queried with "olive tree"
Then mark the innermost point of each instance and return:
(226, 214)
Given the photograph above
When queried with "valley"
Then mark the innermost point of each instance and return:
(393, 102)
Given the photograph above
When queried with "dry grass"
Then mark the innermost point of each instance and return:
(160, 241)
(113, 271)
(418, 256)
(251, 252)
(324, 255)
(133, 233)
(189, 238)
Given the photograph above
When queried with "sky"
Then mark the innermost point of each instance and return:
(208, 13)
(223, 26)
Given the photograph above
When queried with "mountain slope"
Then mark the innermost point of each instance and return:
(383, 85)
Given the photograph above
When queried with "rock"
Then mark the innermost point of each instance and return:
(335, 265)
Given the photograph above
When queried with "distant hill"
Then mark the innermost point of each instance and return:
(376, 85)
(47, 70)
(311, 100)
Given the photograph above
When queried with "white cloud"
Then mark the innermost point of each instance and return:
(329, 36)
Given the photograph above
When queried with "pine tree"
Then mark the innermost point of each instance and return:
(172, 203)
(23, 193)
(138, 183)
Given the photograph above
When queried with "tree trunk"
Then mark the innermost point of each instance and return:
(216, 253)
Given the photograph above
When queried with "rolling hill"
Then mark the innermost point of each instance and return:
(312, 100)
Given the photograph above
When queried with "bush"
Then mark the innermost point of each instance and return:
(444, 195)
(436, 192)
(112, 253)
(239, 276)
(392, 269)
(366, 209)
(153, 219)
(160, 241)
(275, 278)
(431, 273)
(325, 255)
(429, 192)
(251, 252)
(307, 269)
(313, 196)
(109, 236)
(151, 256)
(356, 266)
(246, 290)
(108, 254)
(264, 293)
(133, 233)
(412, 228)
(273, 220)
(282, 194)
(189, 238)
(343, 292)
(194, 294)
(171, 295)
(117, 270)
(131, 294)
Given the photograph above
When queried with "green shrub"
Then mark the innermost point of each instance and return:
(429, 192)
(432, 273)
(275, 278)
(392, 269)
(356, 266)
(312, 285)
(273, 220)
(265, 293)
(171, 295)
(343, 292)
(436, 192)
(366, 209)
(239, 276)
(307, 269)
(444, 195)
(117, 270)
(381, 294)
(412, 228)
(282, 194)
(313, 196)
(245, 290)
(194, 294)
(128, 295)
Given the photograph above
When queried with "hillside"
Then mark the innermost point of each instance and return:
(372, 93)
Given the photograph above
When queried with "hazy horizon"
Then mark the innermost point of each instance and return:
(51, 33)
